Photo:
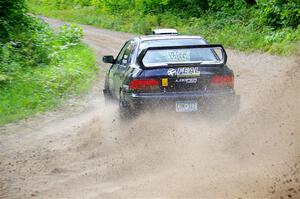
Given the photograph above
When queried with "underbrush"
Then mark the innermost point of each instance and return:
(39, 68)
(241, 30)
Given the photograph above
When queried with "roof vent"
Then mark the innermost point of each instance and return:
(165, 31)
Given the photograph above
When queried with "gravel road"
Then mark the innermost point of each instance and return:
(82, 150)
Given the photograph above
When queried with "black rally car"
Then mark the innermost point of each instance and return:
(165, 69)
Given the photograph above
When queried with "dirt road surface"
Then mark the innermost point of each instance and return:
(82, 150)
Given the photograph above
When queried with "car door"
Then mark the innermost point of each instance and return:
(112, 76)
(122, 63)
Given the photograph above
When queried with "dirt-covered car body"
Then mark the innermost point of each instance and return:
(169, 70)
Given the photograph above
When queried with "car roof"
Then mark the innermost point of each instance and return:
(167, 36)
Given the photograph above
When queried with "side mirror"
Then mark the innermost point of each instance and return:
(108, 59)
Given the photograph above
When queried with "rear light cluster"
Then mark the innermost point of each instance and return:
(222, 80)
(143, 84)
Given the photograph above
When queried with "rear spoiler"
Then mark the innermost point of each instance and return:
(143, 53)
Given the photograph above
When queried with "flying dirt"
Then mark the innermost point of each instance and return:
(83, 150)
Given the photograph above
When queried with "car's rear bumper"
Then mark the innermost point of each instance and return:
(204, 98)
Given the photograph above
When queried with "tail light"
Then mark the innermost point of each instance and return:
(222, 80)
(144, 84)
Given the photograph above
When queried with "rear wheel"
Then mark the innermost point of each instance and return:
(125, 111)
(107, 96)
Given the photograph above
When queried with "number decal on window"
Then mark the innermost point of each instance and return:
(178, 55)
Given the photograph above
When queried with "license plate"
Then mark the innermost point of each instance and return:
(186, 106)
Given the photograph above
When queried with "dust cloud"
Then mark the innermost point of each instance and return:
(90, 153)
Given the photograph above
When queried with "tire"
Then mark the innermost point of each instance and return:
(107, 96)
(106, 92)
(125, 112)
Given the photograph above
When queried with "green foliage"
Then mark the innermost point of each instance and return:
(70, 35)
(275, 13)
(33, 91)
(39, 73)
(37, 47)
(235, 23)
(12, 13)
(279, 13)
(38, 67)
(63, 4)
(151, 6)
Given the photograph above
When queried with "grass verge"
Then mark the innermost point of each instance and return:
(42, 88)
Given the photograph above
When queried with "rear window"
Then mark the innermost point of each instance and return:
(180, 55)
(174, 56)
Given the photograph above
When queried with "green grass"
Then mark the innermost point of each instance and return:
(42, 88)
(238, 32)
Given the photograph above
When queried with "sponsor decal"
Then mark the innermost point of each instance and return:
(172, 72)
(184, 72)
(188, 80)
(164, 82)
